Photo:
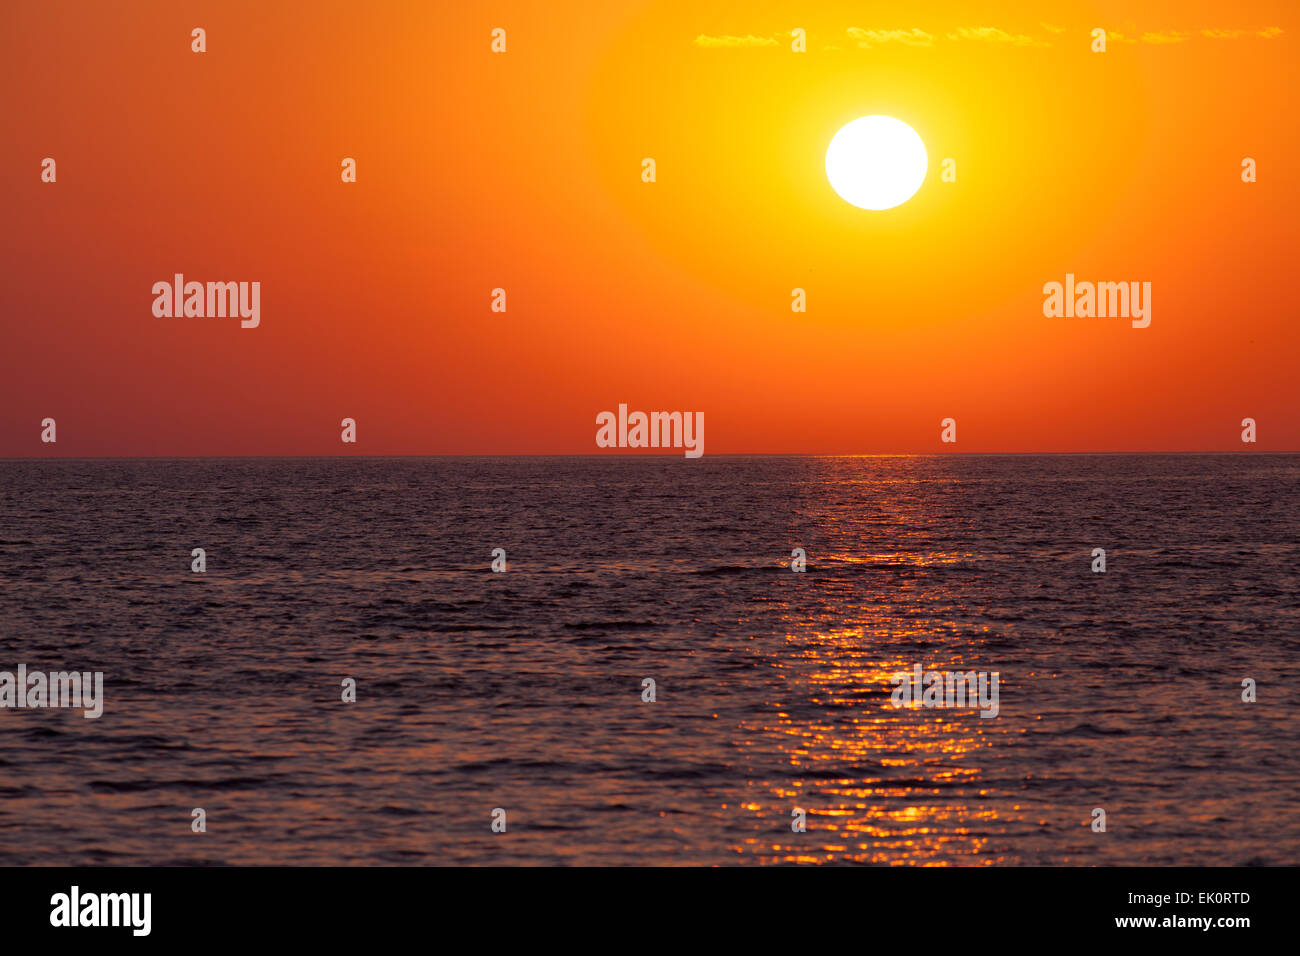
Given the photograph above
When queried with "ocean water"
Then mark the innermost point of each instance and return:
(522, 690)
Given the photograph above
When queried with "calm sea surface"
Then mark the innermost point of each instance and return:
(522, 690)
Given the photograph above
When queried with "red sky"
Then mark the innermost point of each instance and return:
(522, 171)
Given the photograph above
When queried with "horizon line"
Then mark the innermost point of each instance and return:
(666, 456)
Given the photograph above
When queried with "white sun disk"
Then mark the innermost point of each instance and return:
(876, 162)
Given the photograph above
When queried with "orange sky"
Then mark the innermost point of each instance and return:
(522, 170)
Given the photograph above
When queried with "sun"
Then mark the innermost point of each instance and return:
(876, 162)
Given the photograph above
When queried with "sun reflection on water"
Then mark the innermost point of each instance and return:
(880, 784)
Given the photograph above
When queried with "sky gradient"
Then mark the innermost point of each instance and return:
(522, 171)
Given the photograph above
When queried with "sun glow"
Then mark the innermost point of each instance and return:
(876, 162)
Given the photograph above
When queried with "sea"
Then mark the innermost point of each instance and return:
(649, 681)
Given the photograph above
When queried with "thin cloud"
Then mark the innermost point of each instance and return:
(1159, 37)
(915, 37)
(730, 42)
(869, 38)
(994, 35)
(1268, 33)
(1164, 36)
